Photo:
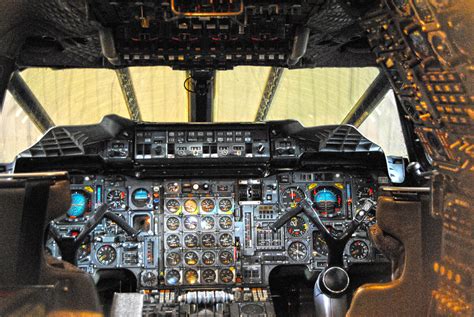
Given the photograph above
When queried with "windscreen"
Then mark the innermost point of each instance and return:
(317, 96)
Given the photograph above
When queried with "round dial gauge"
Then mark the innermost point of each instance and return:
(106, 254)
(225, 205)
(327, 201)
(207, 205)
(80, 204)
(208, 240)
(191, 241)
(226, 258)
(191, 258)
(225, 222)
(190, 206)
(359, 249)
(319, 245)
(208, 258)
(207, 223)
(191, 222)
(172, 277)
(172, 223)
(208, 276)
(148, 279)
(191, 276)
(297, 226)
(173, 259)
(291, 197)
(172, 241)
(173, 206)
(297, 251)
(117, 199)
(141, 197)
(172, 187)
(225, 240)
(226, 276)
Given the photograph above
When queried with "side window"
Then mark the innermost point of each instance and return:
(383, 127)
(17, 131)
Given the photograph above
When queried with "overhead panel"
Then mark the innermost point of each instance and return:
(319, 96)
(77, 96)
(160, 93)
(238, 93)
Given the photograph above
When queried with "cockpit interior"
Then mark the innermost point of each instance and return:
(236, 158)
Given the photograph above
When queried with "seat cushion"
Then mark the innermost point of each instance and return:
(404, 296)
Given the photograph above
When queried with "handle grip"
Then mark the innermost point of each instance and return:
(285, 218)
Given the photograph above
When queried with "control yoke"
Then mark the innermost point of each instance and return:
(69, 245)
(336, 244)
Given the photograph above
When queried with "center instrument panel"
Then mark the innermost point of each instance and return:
(202, 233)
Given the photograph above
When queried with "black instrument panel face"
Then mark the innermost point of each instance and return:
(191, 143)
(214, 232)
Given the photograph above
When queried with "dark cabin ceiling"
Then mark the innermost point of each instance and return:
(184, 34)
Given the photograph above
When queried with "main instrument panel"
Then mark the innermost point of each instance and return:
(204, 199)
(214, 233)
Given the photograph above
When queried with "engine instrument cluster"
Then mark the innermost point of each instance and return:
(199, 237)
